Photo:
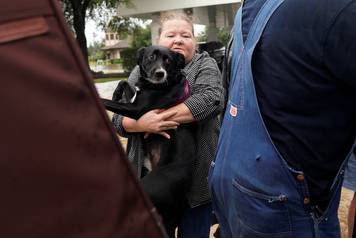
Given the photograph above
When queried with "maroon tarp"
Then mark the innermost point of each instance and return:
(63, 172)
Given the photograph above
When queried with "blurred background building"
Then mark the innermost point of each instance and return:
(213, 14)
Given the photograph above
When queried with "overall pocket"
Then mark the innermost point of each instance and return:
(261, 214)
(22, 28)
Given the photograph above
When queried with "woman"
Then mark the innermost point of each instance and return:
(204, 104)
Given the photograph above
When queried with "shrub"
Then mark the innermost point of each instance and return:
(116, 61)
(128, 57)
(141, 38)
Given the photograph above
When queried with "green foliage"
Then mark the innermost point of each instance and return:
(103, 80)
(123, 25)
(141, 38)
(223, 35)
(116, 61)
(128, 59)
(95, 53)
(202, 37)
(99, 10)
(77, 11)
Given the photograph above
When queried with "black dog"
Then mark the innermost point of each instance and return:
(161, 85)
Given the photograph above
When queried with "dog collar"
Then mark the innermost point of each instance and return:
(186, 92)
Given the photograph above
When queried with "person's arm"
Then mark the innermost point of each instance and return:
(181, 114)
(151, 122)
(207, 99)
(340, 46)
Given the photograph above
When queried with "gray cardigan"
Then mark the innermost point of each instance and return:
(205, 103)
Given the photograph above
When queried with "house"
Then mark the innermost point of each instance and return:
(213, 14)
(113, 45)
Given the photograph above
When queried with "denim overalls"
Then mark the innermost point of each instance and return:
(254, 192)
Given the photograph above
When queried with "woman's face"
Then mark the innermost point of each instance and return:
(178, 36)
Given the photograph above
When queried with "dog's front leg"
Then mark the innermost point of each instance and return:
(125, 109)
(123, 92)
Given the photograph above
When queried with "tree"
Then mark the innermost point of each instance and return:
(202, 37)
(95, 53)
(222, 35)
(141, 37)
(76, 12)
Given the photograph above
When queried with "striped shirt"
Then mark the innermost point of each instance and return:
(205, 102)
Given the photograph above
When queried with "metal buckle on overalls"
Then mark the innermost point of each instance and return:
(318, 212)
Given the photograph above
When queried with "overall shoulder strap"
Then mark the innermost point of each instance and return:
(246, 48)
(260, 22)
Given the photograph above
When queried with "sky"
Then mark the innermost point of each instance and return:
(93, 33)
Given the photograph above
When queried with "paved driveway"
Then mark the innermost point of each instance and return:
(106, 89)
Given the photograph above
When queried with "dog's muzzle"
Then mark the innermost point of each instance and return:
(159, 76)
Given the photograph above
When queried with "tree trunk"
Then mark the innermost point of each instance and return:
(79, 10)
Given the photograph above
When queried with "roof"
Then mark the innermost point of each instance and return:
(122, 44)
(142, 7)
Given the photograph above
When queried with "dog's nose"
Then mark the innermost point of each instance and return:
(159, 74)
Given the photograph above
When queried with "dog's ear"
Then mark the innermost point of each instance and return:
(180, 60)
(140, 54)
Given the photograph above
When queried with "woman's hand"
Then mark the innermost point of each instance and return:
(159, 120)
(182, 114)
(156, 122)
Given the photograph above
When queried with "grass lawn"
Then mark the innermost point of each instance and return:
(103, 80)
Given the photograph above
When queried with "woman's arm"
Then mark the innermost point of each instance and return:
(151, 122)
(207, 99)
(182, 114)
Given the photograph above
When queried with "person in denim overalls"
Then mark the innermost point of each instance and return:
(256, 191)
(350, 183)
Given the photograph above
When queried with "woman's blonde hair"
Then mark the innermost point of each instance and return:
(174, 16)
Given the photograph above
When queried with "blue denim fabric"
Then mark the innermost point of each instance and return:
(255, 193)
(196, 222)
(350, 174)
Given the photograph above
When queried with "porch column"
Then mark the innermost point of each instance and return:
(211, 30)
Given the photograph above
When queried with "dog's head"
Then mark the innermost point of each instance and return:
(160, 65)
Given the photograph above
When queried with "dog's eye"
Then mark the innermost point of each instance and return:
(151, 57)
(167, 61)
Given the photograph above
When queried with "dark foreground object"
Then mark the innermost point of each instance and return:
(63, 171)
